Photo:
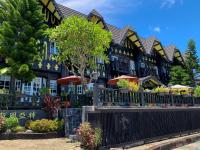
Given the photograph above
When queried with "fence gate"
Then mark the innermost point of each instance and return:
(72, 117)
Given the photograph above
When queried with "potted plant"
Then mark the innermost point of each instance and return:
(123, 85)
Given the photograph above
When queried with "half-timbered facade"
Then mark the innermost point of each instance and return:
(129, 54)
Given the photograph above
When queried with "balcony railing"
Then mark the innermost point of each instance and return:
(117, 97)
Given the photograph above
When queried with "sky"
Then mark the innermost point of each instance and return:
(171, 21)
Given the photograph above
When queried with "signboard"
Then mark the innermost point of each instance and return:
(24, 115)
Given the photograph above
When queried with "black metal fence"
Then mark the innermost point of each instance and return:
(116, 97)
(11, 101)
(22, 101)
(122, 127)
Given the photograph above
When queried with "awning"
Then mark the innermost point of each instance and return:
(70, 79)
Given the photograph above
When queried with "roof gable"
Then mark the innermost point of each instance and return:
(173, 52)
(152, 43)
(96, 18)
(52, 7)
(129, 33)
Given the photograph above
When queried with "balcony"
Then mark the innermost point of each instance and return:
(120, 67)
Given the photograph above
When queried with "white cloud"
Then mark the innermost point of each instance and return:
(170, 3)
(157, 29)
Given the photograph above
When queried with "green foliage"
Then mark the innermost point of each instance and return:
(197, 91)
(12, 122)
(4, 91)
(97, 136)
(192, 60)
(178, 75)
(134, 86)
(79, 42)
(27, 124)
(44, 91)
(90, 138)
(60, 125)
(123, 84)
(18, 129)
(2, 124)
(45, 125)
(21, 35)
(161, 90)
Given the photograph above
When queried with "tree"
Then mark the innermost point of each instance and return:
(179, 75)
(21, 34)
(79, 43)
(192, 61)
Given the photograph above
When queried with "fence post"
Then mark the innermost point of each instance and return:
(193, 101)
(95, 95)
(142, 98)
(172, 100)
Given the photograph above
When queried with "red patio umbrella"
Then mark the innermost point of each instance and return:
(129, 78)
(70, 79)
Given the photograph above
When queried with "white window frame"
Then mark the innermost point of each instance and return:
(5, 79)
(53, 88)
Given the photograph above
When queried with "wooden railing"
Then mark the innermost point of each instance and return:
(116, 97)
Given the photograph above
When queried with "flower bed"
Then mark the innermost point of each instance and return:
(38, 129)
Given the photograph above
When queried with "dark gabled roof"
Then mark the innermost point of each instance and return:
(67, 12)
(118, 34)
(148, 44)
(94, 12)
(170, 50)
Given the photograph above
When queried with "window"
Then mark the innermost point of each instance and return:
(53, 49)
(79, 89)
(18, 85)
(71, 88)
(53, 87)
(90, 86)
(4, 82)
(33, 87)
(132, 65)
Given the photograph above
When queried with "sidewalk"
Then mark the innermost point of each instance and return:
(169, 143)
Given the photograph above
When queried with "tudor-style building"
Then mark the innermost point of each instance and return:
(129, 54)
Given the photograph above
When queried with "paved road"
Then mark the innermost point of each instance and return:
(193, 146)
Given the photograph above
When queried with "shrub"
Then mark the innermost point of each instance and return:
(2, 124)
(27, 124)
(197, 91)
(134, 86)
(44, 125)
(18, 129)
(12, 122)
(51, 106)
(89, 138)
(123, 84)
(60, 125)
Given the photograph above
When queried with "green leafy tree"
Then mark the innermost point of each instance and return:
(179, 75)
(79, 43)
(21, 33)
(191, 60)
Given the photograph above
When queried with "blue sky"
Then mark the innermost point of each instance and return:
(171, 21)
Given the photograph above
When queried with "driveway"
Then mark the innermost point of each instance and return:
(46, 144)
